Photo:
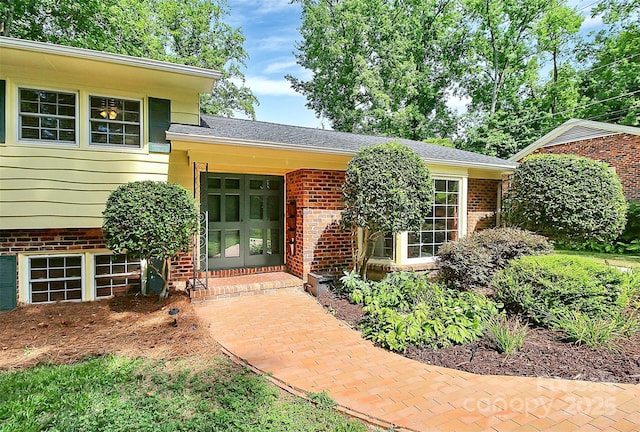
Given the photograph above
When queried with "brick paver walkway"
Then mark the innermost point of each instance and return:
(289, 335)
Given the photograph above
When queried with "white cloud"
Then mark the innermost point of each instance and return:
(274, 43)
(458, 104)
(260, 85)
(280, 66)
(590, 23)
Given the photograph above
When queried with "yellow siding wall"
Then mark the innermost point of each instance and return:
(59, 186)
(66, 188)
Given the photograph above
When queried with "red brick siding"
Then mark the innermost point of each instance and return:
(320, 245)
(621, 151)
(482, 202)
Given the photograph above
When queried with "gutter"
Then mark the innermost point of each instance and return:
(206, 139)
(125, 60)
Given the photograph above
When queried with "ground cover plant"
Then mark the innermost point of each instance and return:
(407, 309)
(581, 321)
(119, 364)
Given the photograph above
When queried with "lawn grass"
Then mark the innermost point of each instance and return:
(631, 261)
(114, 393)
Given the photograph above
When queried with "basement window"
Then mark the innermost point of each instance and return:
(116, 274)
(55, 278)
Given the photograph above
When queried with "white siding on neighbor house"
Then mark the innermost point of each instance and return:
(578, 133)
(45, 187)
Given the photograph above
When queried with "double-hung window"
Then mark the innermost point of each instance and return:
(115, 122)
(47, 115)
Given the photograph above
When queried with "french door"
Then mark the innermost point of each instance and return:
(245, 219)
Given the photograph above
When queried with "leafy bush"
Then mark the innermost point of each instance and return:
(627, 243)
(471, 262)
(387, 189)
(506, 336)
(150, 219)
(407, 309)
(544, 287)
(566, 197)
(596, 331)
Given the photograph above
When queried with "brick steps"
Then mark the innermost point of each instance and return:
(247, 285)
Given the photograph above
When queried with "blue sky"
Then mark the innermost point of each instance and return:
(271, 31)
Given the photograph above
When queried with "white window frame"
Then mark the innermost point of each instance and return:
(401, 240)
(129, 274)
(30, 281)
(40, 142)
(121, 147)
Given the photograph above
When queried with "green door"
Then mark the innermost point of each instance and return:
(245, 219)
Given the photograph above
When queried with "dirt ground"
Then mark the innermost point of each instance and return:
(132, 326)
(543, 354)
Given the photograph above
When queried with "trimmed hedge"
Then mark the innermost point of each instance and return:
(567, 198)
(547, 287)
(471, 262)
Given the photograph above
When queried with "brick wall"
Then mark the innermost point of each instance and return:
(319, 243)
(482, 202)
(621, 151)
(58, 240)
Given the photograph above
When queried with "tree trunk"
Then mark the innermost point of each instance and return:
(166, 269)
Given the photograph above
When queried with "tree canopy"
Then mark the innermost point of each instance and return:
(390, 67)
(190, 32)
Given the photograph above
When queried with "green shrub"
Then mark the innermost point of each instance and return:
(150, 219)
(547, 286)
(627, 243)
(595, 331)
(407, 309)
(471, 262)
(566, 197)
(506, 336)
(387, 189)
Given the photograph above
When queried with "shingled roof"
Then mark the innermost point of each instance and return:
(262, 134)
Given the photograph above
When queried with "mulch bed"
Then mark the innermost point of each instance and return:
(543, 354)
(132, 326)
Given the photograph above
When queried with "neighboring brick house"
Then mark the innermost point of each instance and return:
(76, 123)
(617, 145)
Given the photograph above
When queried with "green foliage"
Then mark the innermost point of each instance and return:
(381, 67)
(506, 336)
(387, 188)
(567, 198)
(406, 309)
(119, 394)
(595, 332)
(544, 287)
(149, 219)
(471, 262)
(322, 399)
(189, 32)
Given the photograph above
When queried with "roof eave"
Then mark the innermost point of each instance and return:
(208, 139)
(82, 53)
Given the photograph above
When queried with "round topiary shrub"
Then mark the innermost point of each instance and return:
(471, 262)
(567, 198)
(387, 189)
(150, 219)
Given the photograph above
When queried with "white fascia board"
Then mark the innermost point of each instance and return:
(83, 53)
(171, 136)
